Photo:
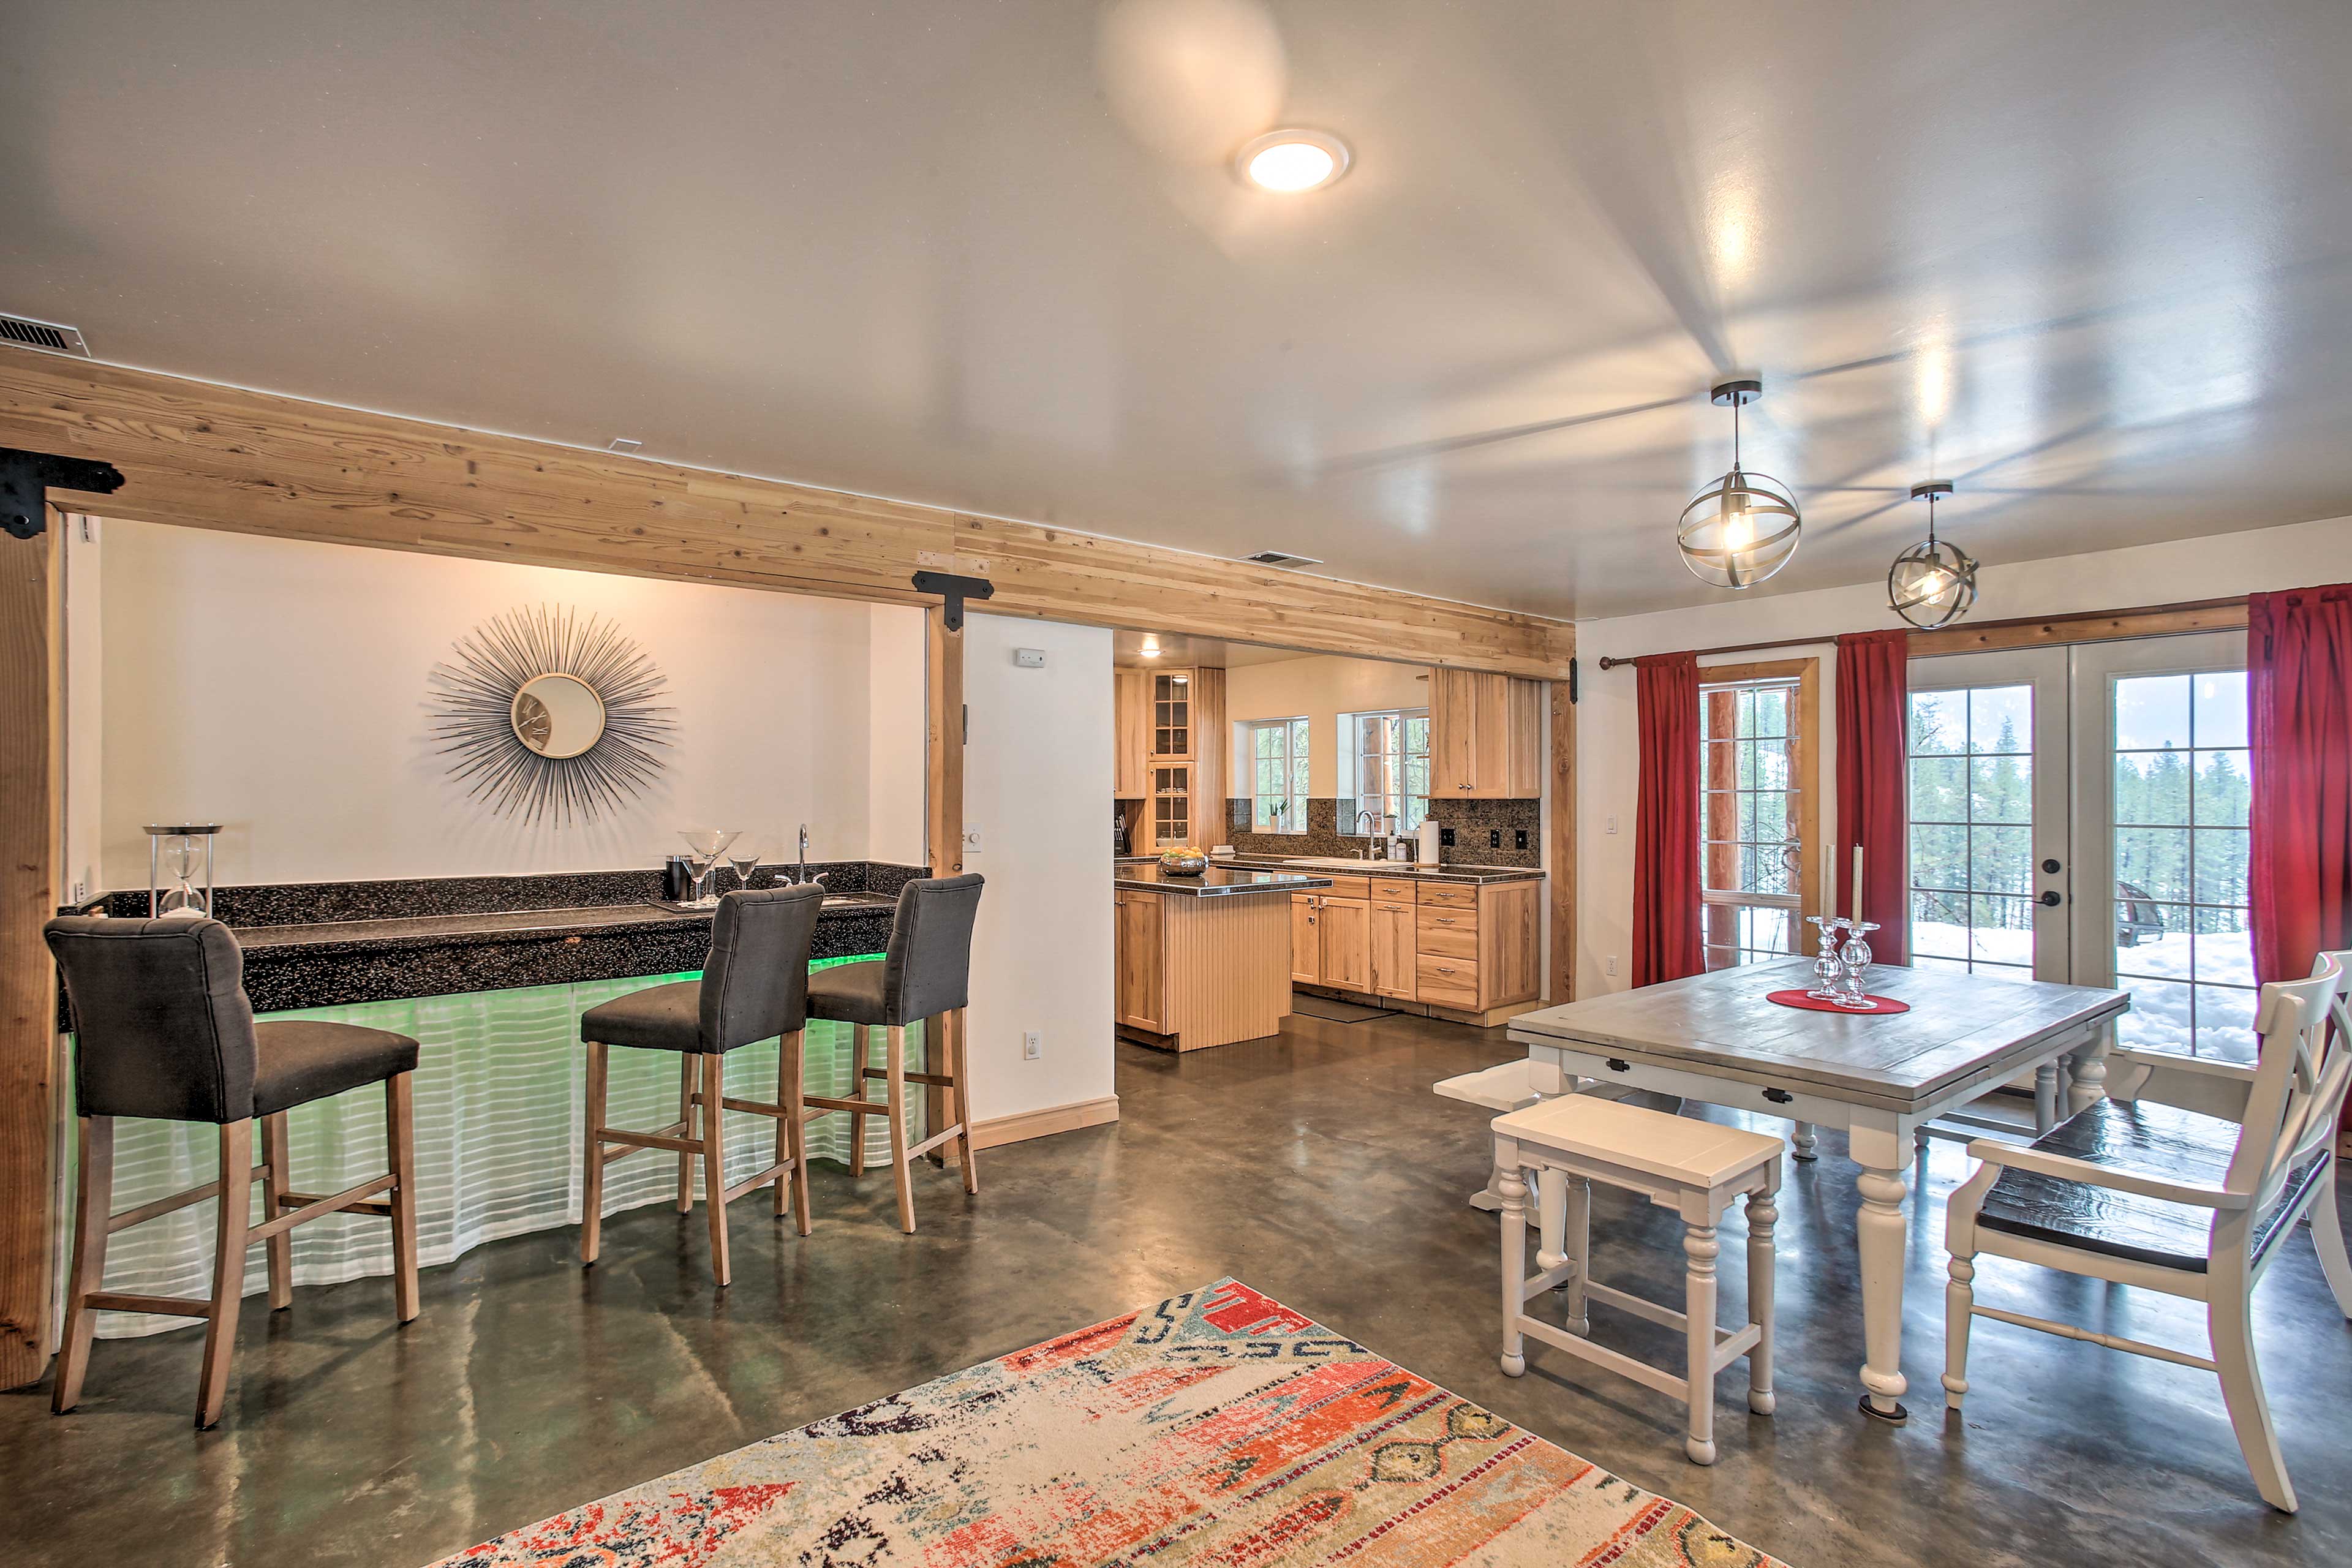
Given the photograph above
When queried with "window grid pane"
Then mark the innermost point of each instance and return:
(1972, 829)
(1748, 823)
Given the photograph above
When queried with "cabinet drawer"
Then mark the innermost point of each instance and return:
(1392, 888)
(1454, 933)
(1348, 888)
(1446, 982)
(1452, 895)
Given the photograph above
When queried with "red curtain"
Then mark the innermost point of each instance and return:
(1666, 944)
(1873, 788)
(2299, 702)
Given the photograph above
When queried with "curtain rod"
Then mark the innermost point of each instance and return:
(2182, 607)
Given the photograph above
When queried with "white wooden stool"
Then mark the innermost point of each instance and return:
(1510, 1086)
(1693, 1167)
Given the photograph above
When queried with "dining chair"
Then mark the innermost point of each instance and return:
(2184, 1181)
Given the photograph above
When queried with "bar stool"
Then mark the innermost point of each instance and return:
(1693, 1167)
(926, 973)
(754, 986)
(163, 1029)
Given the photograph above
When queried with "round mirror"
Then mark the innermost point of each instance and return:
(557, 715)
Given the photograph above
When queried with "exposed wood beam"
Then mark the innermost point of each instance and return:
(943, 743)
(205, 455)
(31, 626)
(2032, 631)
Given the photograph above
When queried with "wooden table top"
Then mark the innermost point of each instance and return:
(1959, 1026)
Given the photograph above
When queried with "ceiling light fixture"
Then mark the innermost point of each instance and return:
(1743, 527)
(1292, 160)
(1150, 649)
(1932, 584)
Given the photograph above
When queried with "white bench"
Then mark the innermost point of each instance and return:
(1693, 1167)
(1509, 1086)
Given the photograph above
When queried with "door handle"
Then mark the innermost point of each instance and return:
(2051, 899)
(2051, 867)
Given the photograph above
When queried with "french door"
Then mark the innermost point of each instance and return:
(2079, 815)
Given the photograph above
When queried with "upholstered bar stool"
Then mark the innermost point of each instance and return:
(162, 1030)
(925, 974)
(754, 986)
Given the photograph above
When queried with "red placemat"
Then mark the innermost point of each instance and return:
(1814, 1005)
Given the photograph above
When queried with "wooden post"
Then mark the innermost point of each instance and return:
(943, 736)
(1562, 988)
(31, 715)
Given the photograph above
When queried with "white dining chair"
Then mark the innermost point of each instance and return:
(2184, 1181)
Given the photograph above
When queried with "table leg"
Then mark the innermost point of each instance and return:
(2088, 1069)
(1882, 1236)
(1552, 1218)
(1805, 1140)
(2045, 1098)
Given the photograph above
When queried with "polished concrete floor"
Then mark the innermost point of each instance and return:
(1318, 1167)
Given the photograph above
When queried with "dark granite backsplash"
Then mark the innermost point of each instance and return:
(1330, 825)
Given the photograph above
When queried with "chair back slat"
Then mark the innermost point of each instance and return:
(2298, 1090)
(162, 1025)
(755, 982)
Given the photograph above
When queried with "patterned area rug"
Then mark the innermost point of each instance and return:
(1219, 1428)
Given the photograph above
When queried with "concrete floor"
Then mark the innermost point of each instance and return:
(1318, 1167)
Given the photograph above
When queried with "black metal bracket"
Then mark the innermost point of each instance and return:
(953, 590)
(1572, 683)
(25, 478)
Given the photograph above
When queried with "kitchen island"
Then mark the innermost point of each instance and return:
(1202, 960)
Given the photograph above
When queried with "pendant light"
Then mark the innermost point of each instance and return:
(1743, 527)
(1933, 584)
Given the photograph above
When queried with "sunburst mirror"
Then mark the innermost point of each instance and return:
(547, 713)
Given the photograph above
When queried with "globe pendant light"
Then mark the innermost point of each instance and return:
(1743, 527)
(1932, 584)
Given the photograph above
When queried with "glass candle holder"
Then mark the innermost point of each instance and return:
(1853, 958)
(1831, 931)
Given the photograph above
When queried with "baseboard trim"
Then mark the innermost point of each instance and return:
(1025, 1125)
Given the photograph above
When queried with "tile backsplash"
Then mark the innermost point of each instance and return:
(1330, 831)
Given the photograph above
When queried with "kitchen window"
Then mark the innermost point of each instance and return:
(1277, 750)
(1757, 808)
(1391, 757)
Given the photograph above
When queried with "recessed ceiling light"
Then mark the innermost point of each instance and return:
(1292, 160)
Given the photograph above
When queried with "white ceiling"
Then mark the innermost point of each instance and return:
(2093, 261)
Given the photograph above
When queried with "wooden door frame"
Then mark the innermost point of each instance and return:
(1805, 766)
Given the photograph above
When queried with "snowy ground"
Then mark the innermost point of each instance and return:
(2184, 987)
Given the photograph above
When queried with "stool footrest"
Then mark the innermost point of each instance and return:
(755, 1107)
(1549, 1279)
(936, 1079)
(933, 1142)
(859, 1107)
(773, 1173)
(163, 1207)
(1624, 1365)
(635, 1140)
(166, 1306)
(326, 1205)
(380, 1207)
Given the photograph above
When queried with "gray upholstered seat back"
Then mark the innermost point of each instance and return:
(928, 970)
(755, 982)
(162, 1027)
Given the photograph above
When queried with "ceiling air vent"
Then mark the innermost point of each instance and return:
(1280, 558)
(25, 332)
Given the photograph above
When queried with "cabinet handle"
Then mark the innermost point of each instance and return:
(1779, 1096)
(1615, 1064)
(1445, 920)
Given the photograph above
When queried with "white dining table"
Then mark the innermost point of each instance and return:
(1714, 1037)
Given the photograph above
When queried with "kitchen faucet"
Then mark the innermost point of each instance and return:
(805, 876)
(1369, 822)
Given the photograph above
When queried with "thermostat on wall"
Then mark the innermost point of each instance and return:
(1029, 658)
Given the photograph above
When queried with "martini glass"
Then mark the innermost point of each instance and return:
(704, 845)
(743, 859)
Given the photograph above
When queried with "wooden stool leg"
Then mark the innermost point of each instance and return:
(1762, 1215)
(1515, 1268)
(896, 1069)
(274, 1187)
(1699, 1247)
(400, 1140)
(791, 1092)
(93, 1200)
(1576, 1245)
(592, 1171)
(714, 1163)
(687, 1065)
(859, 1049)
(228, 1267)
(959, 1060)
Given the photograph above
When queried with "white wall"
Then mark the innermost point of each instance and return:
(896, 764)
(1320, 689)
(1037, 781)
(1608, 750)
(280, 688)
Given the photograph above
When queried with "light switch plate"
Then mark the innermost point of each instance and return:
(972, 840)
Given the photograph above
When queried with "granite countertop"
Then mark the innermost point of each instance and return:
(1147, 877)
(390, 933)
(1408, 870)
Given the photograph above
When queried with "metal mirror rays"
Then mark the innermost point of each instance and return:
(491, 715)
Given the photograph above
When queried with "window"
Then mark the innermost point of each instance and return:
(1972, 758)
(1755, 815)
(1277, 750)
(1391, 755)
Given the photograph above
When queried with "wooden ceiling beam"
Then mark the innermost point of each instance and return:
(197, 455)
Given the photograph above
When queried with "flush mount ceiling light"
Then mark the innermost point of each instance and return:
(1933, 584)
(1150, 649)
(1743, 527)
(1292, 160)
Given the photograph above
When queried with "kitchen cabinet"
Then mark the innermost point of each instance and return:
(1305, 940)
(1172, 716)
(1486, 736)
(1130, 732)
(1196, 968)
(1141, 991)
(1346, 927)
(1393, 949)
(1464, 948)
(1169, 820)
(1170, 749)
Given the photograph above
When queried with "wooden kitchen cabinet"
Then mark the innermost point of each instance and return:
(1486, 736)
(1393, 949)
(1171, 750)
(1171, 715)
(1455, 949)
(1306, 942)
(1130, 732)
(1141, 943)
(1346, 927)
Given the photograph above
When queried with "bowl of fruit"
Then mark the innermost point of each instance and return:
(1185, 862)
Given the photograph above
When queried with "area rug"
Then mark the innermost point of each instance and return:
(1218, 1427)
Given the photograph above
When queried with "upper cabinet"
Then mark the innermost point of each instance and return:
(1162, 717)
(1172, 716)
(1486, 736)
(1130, 732)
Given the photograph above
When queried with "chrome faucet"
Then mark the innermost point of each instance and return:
(805, 874)
(1369, 822)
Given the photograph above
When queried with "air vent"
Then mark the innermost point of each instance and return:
(25, 332)
(1280, 558)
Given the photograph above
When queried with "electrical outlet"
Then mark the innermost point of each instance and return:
(1613, 964)
(81, 893)
(1032, 1043)
(1445, 838)
(1519, 838)
(1494, 839)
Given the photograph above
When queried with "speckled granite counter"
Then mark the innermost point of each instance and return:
(1216, 883)
(1410, 870)
(323, 944)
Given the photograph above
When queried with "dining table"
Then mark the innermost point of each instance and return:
(1716, 1038)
